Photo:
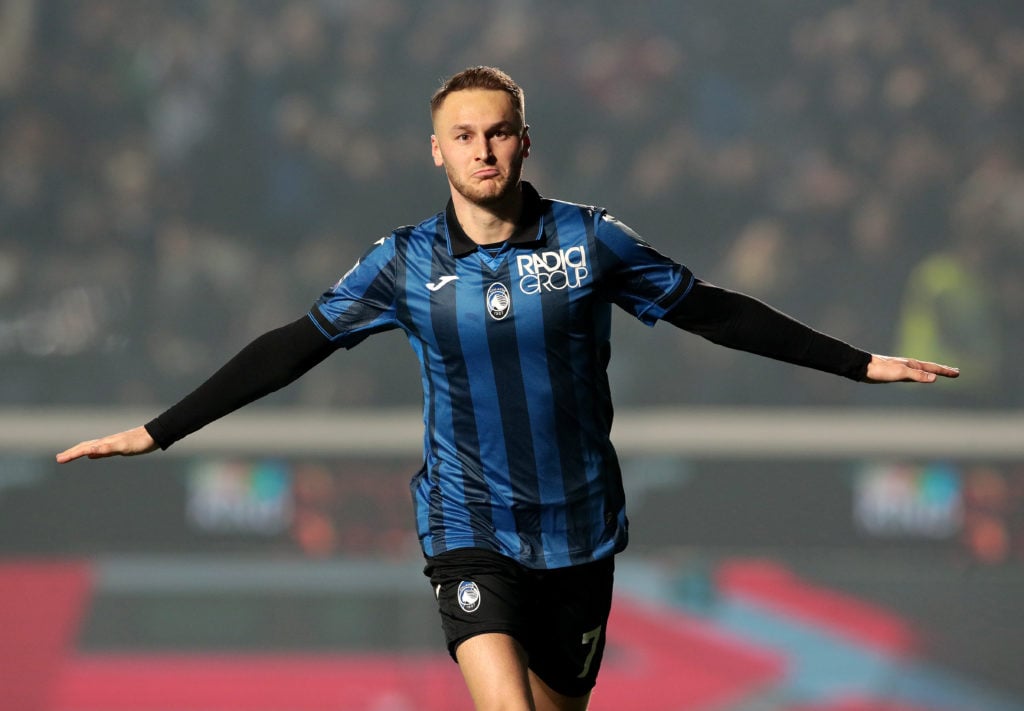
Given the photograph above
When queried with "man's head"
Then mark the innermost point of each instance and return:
(480, 136)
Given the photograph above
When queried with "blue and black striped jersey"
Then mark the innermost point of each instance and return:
(513, 346)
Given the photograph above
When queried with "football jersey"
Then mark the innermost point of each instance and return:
(513, 346)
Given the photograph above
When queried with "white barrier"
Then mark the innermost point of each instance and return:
(698, 432)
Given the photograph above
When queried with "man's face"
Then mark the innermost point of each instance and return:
(481, 143)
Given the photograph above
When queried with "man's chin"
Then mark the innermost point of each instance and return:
(488, 199)
(488, 195)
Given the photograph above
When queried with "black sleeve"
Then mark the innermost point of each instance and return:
(270, 362)
(738, 321)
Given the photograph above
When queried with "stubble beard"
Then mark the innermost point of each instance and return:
(483, 197)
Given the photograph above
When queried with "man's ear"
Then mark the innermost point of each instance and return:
(526, 141)
(435, 151)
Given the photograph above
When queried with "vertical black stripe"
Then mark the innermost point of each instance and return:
(602, 411)
(605, 261)
(506, 362)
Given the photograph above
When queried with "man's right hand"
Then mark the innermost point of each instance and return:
(124, 444)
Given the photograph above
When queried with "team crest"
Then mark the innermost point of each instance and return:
(499, 303)
(469, 596)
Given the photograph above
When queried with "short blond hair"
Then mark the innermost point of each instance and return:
(482, 78)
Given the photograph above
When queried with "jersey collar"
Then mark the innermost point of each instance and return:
(528, 230)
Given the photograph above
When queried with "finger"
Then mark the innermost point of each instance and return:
(108, 447)
(920, 375)
(939, 369)
(93, 449)
(79, 450)
(99, 450)
(932, 369)
(889, 369)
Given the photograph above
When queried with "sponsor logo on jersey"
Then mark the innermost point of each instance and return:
(469, 596)
(499, 301)
(552, 270)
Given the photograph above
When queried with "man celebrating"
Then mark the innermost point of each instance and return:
(506, 299)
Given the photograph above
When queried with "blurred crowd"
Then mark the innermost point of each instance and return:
(178, 176)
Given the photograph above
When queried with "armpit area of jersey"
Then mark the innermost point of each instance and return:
(738, 321)
(270, 362)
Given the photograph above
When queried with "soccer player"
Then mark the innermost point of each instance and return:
(506, 298)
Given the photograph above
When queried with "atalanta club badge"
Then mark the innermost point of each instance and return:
(499, 302)
(469, 596)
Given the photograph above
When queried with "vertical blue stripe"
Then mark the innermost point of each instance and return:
(413, 313)
(460, 488)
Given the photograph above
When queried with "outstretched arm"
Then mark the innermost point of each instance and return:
(269, 363)
(742, 322)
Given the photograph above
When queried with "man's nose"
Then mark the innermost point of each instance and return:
(483, 150)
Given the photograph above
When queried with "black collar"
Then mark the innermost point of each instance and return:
(528, 229)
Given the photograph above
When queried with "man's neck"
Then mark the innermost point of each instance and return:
(489, 224)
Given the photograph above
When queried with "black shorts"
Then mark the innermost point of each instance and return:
(559, 616)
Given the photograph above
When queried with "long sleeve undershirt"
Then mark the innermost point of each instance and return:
(738, 321)
(272, 361)
(279, 357)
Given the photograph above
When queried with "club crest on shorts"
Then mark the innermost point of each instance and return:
(498, 301)
(469, 596)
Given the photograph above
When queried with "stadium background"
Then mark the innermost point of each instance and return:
(178, 176)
